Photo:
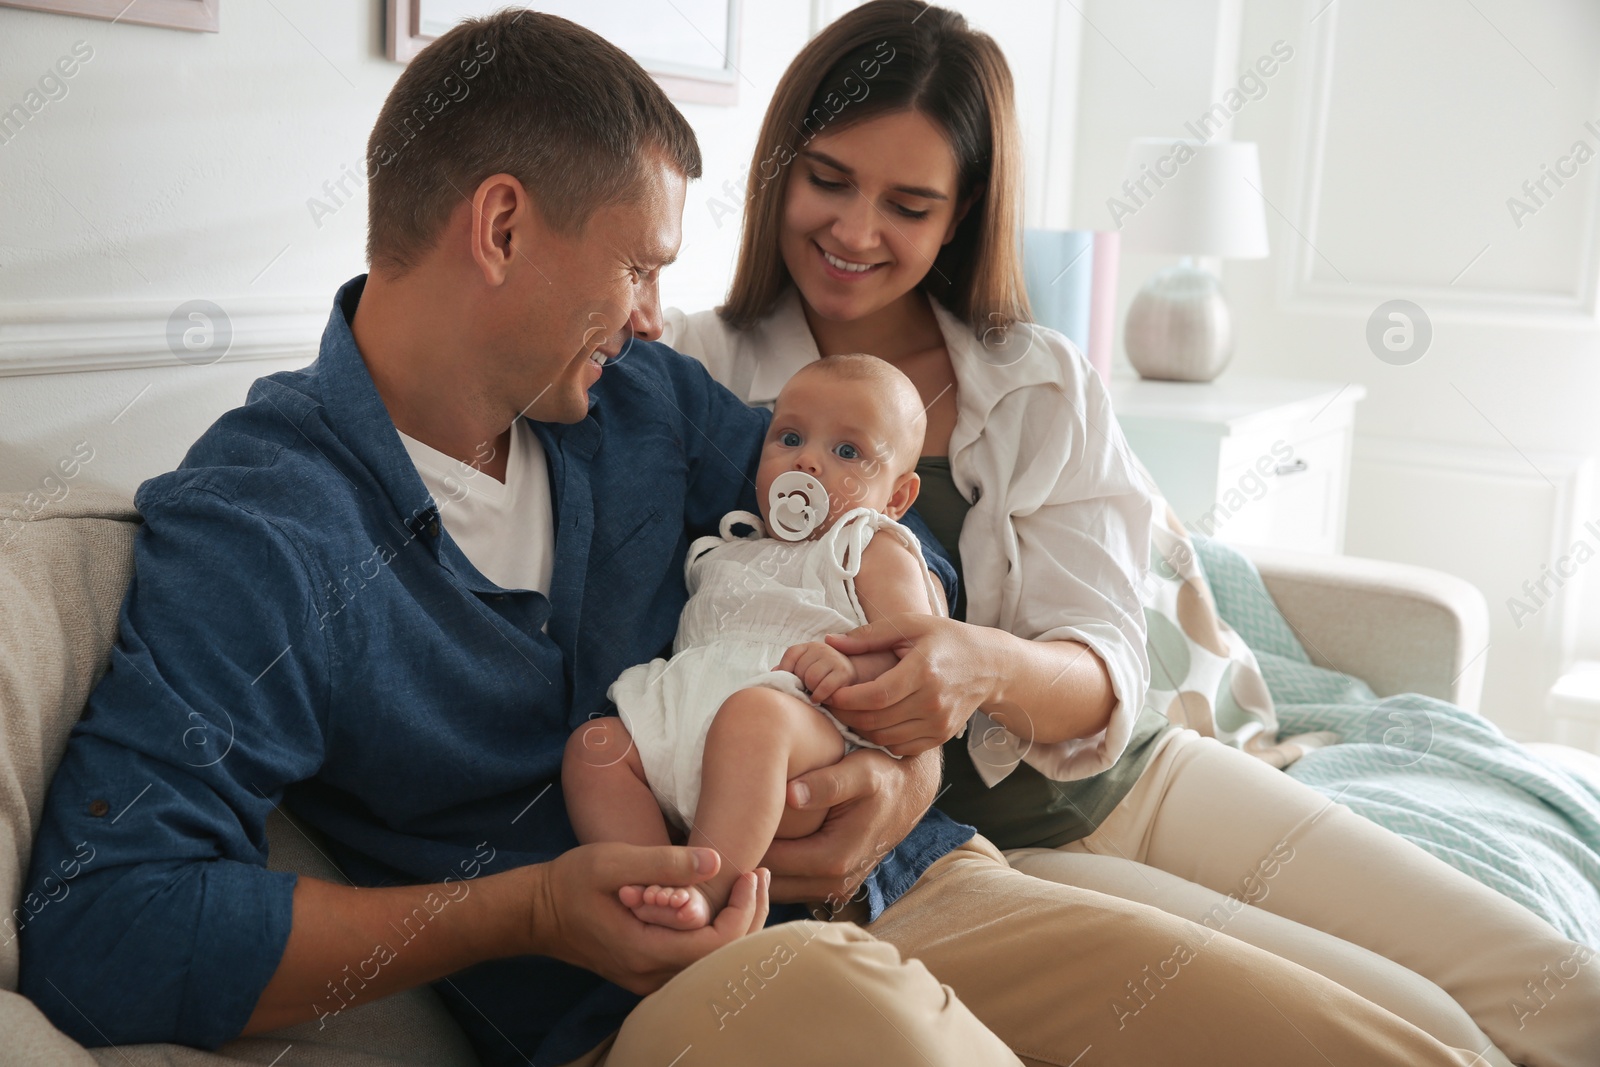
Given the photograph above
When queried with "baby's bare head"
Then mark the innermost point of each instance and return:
(856, 424)
(896, 413)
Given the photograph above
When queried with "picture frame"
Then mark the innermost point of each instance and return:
(198, 15)
(690, 47)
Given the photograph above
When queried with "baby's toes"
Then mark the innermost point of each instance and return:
(690, 911)
(662, 896)
(694, 911)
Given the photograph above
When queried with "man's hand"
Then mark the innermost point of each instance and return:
(567, 909)
(576, 915)
(872, 801)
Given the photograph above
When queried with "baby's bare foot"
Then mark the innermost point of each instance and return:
(672, 906)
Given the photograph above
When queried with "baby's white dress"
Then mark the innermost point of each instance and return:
(750, 599)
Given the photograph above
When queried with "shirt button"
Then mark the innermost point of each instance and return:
(433, 527)
(98, 808)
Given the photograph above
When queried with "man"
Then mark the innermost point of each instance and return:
(385, 591)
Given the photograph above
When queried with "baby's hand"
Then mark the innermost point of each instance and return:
(821, 668)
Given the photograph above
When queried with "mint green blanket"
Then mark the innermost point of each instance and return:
(1446, 779)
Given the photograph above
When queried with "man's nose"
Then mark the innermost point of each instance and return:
(646, 316)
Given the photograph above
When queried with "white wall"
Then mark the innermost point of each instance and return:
(1408, 128)
(1389, 146)
(179, 166)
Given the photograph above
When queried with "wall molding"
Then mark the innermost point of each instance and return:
(80, 337)
(1303, 294)
(1569, 473)
(1566, 471)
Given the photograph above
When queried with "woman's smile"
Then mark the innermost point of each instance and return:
(842, 269)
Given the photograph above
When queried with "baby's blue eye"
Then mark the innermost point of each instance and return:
(789, 439)
(847, 451)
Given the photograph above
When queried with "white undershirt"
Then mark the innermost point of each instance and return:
(506, 529)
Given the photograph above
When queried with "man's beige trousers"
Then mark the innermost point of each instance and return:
(978, 959)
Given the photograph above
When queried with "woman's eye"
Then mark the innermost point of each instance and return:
(820, 184)
(908, 213)
(789, 439)
(847, 451)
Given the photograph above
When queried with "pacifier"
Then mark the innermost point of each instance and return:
(797, 506)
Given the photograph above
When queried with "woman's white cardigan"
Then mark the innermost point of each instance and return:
(1058, 539)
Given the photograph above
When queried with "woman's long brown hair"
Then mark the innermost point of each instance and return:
(898, 55)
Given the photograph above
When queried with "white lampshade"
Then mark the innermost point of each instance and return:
(1207, 205)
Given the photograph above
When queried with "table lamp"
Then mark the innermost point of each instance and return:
(1192, 200)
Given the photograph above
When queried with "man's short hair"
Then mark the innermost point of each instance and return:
(568, 113)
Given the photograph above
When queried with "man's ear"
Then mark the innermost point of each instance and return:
(961, 213)
(500, 225)
(906, 488)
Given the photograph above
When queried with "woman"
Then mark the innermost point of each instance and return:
(882, 216)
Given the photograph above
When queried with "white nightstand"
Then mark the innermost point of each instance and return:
(1573, 707)
(1256, 461)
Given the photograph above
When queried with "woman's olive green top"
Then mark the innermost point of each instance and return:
(1026, 809)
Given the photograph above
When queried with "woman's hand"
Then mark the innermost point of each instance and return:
(947, 670)
(872, 802)
(1041, 691)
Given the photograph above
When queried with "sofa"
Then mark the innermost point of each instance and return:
(64, 571)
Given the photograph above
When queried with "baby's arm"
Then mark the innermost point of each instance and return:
(823, 669)
(891, 581)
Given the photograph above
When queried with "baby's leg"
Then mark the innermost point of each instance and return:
(759, 740)
(608, 798)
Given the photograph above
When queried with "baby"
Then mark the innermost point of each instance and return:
(714, 734)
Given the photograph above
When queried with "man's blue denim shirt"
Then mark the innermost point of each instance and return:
(301, 630)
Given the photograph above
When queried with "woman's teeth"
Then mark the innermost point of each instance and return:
(844, 264)
(598, 358)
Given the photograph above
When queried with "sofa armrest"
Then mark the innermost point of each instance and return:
(30, 1039)
(1398, 627)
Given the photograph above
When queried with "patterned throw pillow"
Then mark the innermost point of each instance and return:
(1202, 674)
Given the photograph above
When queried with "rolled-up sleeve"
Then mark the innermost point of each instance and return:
(1083, 554)
(171, 925)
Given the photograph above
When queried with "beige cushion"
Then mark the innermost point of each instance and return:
(62, 579)
(30, 1040)
(1398, 627)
